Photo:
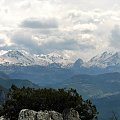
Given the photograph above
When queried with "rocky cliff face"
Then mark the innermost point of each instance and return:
(70, 114)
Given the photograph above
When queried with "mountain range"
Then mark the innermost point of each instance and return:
(54, 67)
(23, 58)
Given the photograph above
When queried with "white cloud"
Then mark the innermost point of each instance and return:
(25, 40)
(115, 37)
(4, 40)
(75, 26)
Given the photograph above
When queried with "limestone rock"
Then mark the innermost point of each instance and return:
(55, 115)
(43, 115)
(26, 114)
(70, 114)
(2, 118)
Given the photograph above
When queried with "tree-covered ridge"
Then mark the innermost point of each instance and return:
(46, 99)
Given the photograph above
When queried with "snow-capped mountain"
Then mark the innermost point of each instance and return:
(17, 57)
(59, 58)
(104, 60)
(23, 58)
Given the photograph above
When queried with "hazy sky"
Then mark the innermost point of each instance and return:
(77, 28)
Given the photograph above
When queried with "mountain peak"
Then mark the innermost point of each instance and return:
(78, 63)
(13, 53)
(105, 59)
(23, 58)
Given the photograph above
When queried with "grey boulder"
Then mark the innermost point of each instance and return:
(68, 114)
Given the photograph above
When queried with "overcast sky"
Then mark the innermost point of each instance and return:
(77, 28)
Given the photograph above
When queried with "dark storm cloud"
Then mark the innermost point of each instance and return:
(115, 37)
(24, 40)
(40, 24)
(66, 45)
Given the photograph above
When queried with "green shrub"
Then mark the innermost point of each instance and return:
(46, 99)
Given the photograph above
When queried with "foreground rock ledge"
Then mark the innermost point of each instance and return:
(68, 114)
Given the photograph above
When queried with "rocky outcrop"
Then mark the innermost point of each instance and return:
(46, 115)
(49, 115)
(26, 114)
(69, 114)
(3, 118)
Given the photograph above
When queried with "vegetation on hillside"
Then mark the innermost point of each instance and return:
(46, 99)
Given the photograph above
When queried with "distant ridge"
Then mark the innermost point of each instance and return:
(24, 58)
(6, 82)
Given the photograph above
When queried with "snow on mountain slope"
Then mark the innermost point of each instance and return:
(59, 58)
(3, 52)
(104, 60)
(17, 57)
(23, 58)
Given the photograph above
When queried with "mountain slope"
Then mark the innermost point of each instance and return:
(94, 85)
(57, 59)
(23, 58)
(107, 105)
(6, 82)
(104, 60)
(103, 90)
